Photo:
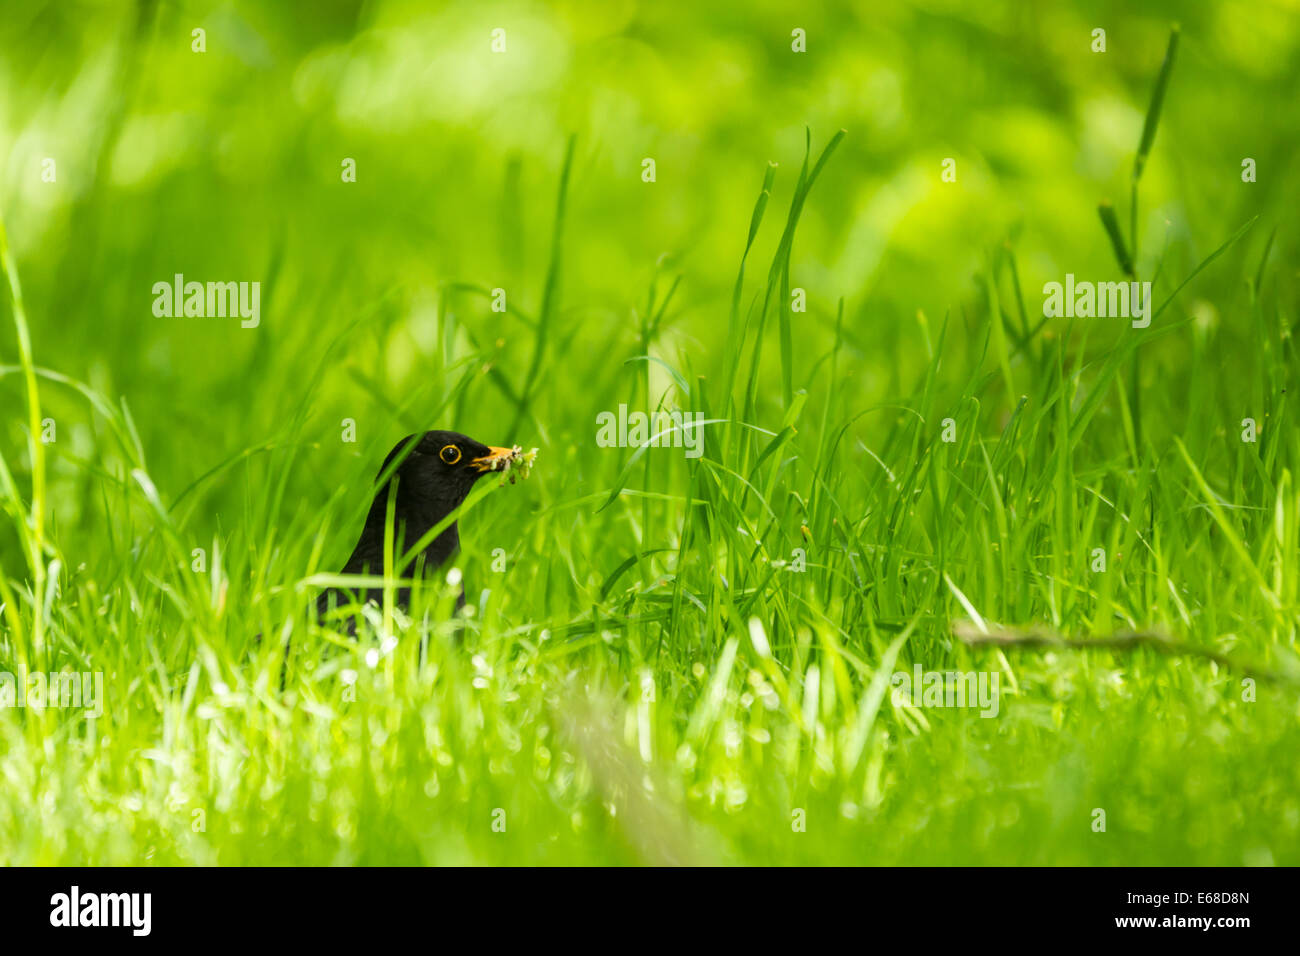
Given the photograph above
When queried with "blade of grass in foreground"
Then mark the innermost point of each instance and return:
(1157, 102)
(32, 530)
(550, 292)
(781, 261)
(1229, 532)
(735, 335)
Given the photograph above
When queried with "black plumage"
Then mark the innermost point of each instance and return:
(429, 475)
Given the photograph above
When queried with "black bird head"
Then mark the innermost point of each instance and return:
(430, 475)
(440, 468)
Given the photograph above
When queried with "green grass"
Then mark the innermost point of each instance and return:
(647, 679)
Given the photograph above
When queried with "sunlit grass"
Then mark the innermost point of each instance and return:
(649, 678)
(666, 659)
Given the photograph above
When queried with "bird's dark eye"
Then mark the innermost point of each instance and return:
(450, 454)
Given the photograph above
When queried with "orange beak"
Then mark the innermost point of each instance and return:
(495, 460)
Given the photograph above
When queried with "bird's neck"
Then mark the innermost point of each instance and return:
(441, 549)
(416, 521)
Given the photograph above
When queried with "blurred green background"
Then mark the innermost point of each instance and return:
(226, 165)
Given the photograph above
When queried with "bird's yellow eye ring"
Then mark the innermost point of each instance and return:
(449, 454)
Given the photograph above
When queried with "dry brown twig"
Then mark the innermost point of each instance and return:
(970, 633)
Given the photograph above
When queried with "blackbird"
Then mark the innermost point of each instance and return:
(430, 475)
